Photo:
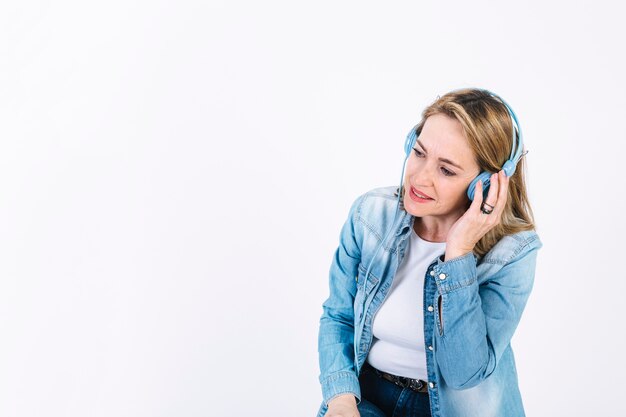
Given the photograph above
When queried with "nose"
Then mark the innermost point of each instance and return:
(423, 173)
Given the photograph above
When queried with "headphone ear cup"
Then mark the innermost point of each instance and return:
(409, 142)
(485, 178)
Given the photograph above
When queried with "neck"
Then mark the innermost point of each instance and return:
(434, 228)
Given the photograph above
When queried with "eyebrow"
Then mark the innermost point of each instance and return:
(441, 159)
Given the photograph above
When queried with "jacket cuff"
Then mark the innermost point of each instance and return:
(341, 383)
(456, 273)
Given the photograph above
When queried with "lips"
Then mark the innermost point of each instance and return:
(416, 191)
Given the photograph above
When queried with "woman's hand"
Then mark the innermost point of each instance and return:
(474, 224)
(342, 406)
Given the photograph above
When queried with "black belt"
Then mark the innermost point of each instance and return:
(417, 385)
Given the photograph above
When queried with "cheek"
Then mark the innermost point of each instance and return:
(410, 164)
(453, 193)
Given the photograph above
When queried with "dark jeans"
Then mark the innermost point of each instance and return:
(378, 395)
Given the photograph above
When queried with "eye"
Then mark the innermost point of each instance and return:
(445, 172)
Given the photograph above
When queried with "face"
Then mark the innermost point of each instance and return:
(441, 166)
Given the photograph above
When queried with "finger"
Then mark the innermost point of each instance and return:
(478, 198)
(504, 192)
(492, 196)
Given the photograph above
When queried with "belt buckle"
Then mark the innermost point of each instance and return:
(401, 381)
(416, 384)
(410, 383)
(404, 382)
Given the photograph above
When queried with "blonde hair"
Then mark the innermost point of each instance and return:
(488, 129)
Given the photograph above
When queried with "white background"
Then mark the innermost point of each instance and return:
(174, 176)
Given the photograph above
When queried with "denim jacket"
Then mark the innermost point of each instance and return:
(472, 307)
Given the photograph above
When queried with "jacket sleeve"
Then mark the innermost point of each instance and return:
(475, 323)
(336, 330)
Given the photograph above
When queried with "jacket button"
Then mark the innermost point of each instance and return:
(430, 348)
(442, 276)
(432, 273)
(431, 384)
(430, 308)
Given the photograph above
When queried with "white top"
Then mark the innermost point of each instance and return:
(398, 327)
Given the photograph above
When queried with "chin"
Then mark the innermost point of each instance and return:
(414, 208)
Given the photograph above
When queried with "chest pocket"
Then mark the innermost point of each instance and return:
(372, 280)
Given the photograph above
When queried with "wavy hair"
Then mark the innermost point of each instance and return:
(489, 130)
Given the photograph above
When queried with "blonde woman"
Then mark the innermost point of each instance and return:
(430, 279)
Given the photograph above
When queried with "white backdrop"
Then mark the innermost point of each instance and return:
(174, 176)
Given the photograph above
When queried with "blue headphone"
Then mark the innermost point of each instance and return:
(508, 167)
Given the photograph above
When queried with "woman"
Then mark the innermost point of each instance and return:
(426, 295)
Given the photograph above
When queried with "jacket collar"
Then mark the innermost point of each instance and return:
(406, 222)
